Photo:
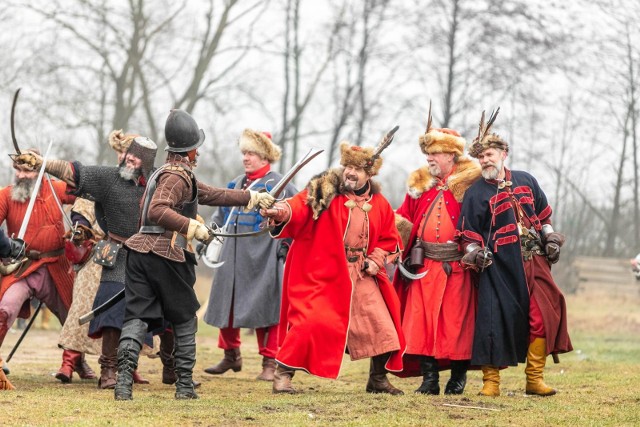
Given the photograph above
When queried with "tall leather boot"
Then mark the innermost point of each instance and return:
(268, 369)
(131, 340)
(185, 357)
(5, 384)
(430, 376)
(69, 360)
(232, 360)
(458, 379)
(83, 369)
(166, 356)
(282, 380)
(536, 359)
(378, 381)
(108, 360)
(490, 381)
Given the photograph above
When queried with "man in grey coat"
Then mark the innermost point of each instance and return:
(239, 297)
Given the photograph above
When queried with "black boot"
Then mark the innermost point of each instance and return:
(458, 379)
(185, 357)
(429, 369)
(131, 339)
(378, 381)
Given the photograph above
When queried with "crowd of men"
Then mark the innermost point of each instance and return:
(458, 277)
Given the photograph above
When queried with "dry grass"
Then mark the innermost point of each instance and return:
(597, 385)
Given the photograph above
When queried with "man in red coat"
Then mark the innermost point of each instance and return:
(336, 294)
(46, 272)
(438, 310)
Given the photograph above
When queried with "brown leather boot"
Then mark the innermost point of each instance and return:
(378, 381)
(69, 360)
(5, 384)
(4, 325)
(139, 379)
(268, 369)
(83, 369)
(282, 380)
(109, 358)
(232, 360)
(167, 343)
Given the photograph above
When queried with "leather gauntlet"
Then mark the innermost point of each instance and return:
(553, 243)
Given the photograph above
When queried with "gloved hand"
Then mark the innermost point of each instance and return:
(27, 161)
(198, 231)
(278, 213)
(553, 243)
(479, 258)
(17, 248)
(260, 200)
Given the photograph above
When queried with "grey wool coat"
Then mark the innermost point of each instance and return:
(250, 278)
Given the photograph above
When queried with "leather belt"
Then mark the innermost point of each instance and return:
(353, 254)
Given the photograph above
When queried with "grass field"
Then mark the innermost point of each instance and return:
(597, 383)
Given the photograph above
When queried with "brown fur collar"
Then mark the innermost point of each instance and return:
(466, 173)
(323, 187)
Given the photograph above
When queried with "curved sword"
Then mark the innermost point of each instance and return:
(34, 194)
(13, 126)
(409, 275)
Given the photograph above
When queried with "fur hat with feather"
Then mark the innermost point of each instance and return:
(486, 140)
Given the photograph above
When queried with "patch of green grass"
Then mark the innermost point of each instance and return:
(597, 386)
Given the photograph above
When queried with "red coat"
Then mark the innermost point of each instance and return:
(317, 289)
(44, 234)
(446, 318)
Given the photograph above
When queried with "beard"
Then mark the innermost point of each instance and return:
(22, 189)
(350, 183)
(435, 170)
(492, 170)
(130, 174)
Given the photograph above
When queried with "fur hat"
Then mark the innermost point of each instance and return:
(361, 157)
(120, 141)
(261, 144)
(486, 140)
(489, 141)
(442, 140)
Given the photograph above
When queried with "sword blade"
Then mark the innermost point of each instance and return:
(34, 194)
(286, 179)
(65, 217)
(409, 275)
(13, 126)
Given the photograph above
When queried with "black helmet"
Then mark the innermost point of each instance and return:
(181, 132)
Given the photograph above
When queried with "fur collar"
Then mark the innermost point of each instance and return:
(323, 187)
(466, 173)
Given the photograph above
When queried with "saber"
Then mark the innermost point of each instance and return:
(34, 194)
(101, 309)
(13, 127)
(24, 333)
(409, 275)
(66, 218)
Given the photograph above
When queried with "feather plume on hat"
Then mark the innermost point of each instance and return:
(440, 140)
(486, 140)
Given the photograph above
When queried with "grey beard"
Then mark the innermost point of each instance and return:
(22, 189)
(435, 170)
(129, 174)
(492, 173)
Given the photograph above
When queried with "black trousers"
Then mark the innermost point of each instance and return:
(157, 288)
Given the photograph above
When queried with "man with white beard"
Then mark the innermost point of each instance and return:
(118, 190)
(505, 230)
(42, 271)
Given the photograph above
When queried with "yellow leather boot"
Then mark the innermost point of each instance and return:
(536, 359)
(490, 381)
(5, 384)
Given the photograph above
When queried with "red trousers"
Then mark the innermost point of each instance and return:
(229, 338)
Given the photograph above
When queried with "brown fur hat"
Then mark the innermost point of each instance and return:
(323, 187)
(442, 140)
(261, 144)
(466, 173)
(120, 141)
(354, 155)
(490, 141)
